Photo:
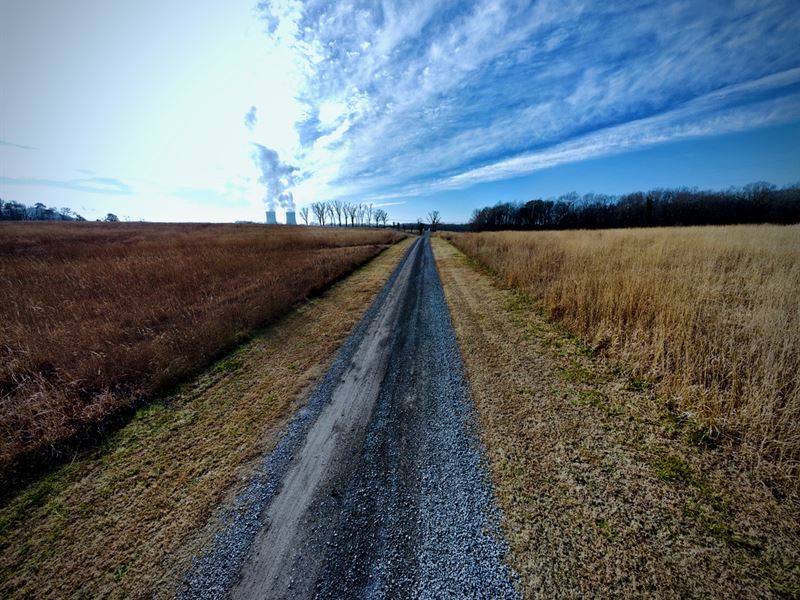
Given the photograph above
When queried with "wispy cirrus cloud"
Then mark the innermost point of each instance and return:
(403, 97)
(721, 112)
(95, 185)
(18, 146)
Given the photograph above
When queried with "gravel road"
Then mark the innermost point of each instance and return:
(378, 487)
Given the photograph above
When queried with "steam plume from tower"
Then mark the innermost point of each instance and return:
(277, 176)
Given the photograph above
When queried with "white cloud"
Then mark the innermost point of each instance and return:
(680, 124)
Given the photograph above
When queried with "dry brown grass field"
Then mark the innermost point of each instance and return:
(94, 317)
(124, 519)
(604, 493)
(711, 315)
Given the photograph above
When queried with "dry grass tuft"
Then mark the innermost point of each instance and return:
(711, 314)
(96, 316)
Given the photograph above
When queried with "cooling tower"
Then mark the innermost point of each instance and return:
(271, 220)
(290, 218)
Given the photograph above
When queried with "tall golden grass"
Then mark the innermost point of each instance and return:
(712, 314)
(96, 316)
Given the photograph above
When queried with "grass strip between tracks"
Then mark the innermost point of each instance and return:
(604, 491)
(124, 521)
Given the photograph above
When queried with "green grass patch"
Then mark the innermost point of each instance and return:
(554, 344)
(228, 365)
(476, 265)
(712, 510)
(581, 345)
(536, 332)
(148, 420)
(584, 348)
(669, 467)
(636, 384)
(119, 572)
(717, 523)
(590, 398)
(33, 497)
(682, 426)
(518, 301)
(579, 374)
(606, 529)
(702, 436)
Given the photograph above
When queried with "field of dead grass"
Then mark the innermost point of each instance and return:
(94, 317)
(123, 520)
(604, 492)
(709, 314)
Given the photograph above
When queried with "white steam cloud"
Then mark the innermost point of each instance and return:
(250, 119)
(277, 176)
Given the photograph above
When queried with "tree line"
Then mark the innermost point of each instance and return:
(16, 211)
(754, 203)
(343, 214)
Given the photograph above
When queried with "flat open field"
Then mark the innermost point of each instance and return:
(95, 316)
(419, 429)
(604, 493)
(124, 519)
(709, 314)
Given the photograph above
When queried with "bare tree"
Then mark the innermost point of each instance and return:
(320, 211)
(352, 209)
(377, 215)
(361, 210)
(337, 208)
(304, 214)
(434, 219)
(330, 211)
(345, 206)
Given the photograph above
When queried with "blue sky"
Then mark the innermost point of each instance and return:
(166, 111)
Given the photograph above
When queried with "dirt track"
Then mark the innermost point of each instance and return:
(378, 488)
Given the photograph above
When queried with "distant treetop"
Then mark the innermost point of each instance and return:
(16, 211)
(754, 203)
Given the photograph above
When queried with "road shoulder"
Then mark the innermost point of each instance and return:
(603, 491)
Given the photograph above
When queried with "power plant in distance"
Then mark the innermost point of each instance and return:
(273, 220)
